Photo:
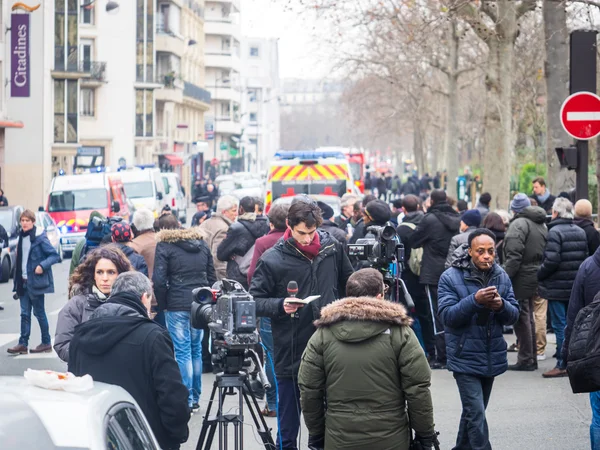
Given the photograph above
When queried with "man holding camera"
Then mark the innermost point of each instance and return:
(314, 260)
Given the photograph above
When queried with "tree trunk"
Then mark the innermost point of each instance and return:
(418, 150)
(557, 79)
(498, 114)
(452, 155)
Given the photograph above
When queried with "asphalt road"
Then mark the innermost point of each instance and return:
(525, 411)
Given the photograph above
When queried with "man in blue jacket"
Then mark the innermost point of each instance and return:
(33, 279)
(475, 300)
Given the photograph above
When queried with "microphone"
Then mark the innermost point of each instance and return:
(292, 290)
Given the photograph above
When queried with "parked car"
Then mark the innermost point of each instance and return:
(174, 195)
(105, 417)
(9, 218)
(45, 222)
(250, 187)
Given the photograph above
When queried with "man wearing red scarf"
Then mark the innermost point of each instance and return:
(318, 264)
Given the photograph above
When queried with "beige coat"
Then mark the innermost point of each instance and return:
(145, 245)
(215, 230)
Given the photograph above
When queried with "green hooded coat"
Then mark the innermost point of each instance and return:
(366, 365)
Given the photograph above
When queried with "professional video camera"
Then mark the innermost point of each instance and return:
(381, 249)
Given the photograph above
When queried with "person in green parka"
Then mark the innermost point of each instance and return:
(364, 379)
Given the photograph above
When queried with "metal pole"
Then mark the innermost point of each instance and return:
(583, 158)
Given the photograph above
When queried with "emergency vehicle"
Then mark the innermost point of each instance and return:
(72, 199)
(308, 172)
(356, 161)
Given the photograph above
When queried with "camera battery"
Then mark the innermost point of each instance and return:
(245, 316)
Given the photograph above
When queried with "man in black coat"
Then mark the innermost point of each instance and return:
(543, 196)
(565, 252)
(240, 238)
(412, 218)
(120, 345)
(434, 234)
(583, 219)
(312, 259)
(329, 225)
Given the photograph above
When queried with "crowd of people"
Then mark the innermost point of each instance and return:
(473, 274)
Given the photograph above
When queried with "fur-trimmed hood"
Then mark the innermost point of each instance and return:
(364, 309)
(183, 234)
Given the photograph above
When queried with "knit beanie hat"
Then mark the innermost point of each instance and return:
(519, 203)
(471, 218)
(121, 232)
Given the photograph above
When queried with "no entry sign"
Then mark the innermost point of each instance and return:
(580, 115)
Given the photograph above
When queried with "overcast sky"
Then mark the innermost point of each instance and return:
(298, 49)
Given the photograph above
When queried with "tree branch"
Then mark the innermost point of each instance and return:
(586, 2)
(471, 15)
(525, 7)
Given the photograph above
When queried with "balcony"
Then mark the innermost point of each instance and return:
(228, 125)
(225, 93)
(195, 6)
(144, 74)
(70, 67)
(223, 60)
(222, 28)
(172, 90)
(168, 42)
(197, 94)
(234, 3)
(97, 71)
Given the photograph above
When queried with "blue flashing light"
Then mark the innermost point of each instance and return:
(61, 172)
(309, 154)
(64, 229)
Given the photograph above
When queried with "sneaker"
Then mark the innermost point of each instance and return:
(513, 348)
(436, 365)
(18, 350)
(555, 373)
(42, 348)
(541, 357)
(523, 367)
(195, 408)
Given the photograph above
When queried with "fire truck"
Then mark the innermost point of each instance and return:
(308, 172)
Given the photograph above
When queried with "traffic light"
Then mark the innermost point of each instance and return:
(567, 156)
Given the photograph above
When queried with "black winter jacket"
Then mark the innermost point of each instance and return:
(120, 345)
(335, 231)
(591, 233)
(585, 288)
(240, 238)
(566, 250)
(548, 204)
(523, 249)
(182, 263)
(434, 234)
(137, 261)
(326, 275)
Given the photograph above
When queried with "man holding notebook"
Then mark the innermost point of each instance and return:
(319, 267)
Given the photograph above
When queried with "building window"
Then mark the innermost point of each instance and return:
(66, 112)
(59, 110)
(87, 12)
(252, 96)
(252, 117)
(254, 52)
(144, 113)
(253, 141)
(87, 102)
(145, 41)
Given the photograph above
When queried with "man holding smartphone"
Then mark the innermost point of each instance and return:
(475, 300)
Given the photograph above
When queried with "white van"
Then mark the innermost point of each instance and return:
(144, 188)
(174, 195)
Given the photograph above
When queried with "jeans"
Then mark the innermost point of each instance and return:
(525, 331)
(267, 340)
(473, 433)
(440, 337)
(558, 316)
(288, 414)
(595, 425)
(36, 302)
(188, 351)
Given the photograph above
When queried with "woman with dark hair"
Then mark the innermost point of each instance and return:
(89, 287)
(494, 222)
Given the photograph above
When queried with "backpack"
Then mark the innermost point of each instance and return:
(583, 365)
(97, 229)
(416, 254)
(244, 262)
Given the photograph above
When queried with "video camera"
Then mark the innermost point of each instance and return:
(229, 312)
(381, 249)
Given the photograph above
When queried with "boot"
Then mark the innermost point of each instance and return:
(42, 348)
(19, 349)
(555, 373)
(523, 367)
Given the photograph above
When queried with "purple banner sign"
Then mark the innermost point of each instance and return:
(20, 58)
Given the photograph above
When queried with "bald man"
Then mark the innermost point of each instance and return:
(583, 219)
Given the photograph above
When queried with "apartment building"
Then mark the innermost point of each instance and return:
(260, 102)
(223, 65)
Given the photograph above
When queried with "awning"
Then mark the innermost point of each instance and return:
(174, 160)
(10, 124)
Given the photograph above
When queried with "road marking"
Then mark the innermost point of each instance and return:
(7, 338)
(583, 116)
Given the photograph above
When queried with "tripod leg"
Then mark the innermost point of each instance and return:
(208, 426)
(259, 421)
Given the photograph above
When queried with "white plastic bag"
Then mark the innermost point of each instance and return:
(59, 381)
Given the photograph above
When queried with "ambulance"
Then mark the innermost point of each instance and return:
(72, 199)
(308, 172)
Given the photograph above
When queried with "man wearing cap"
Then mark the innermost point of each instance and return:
(121, 234)
(329, 224)
(470, 221)
(202, 211)
(524, 245)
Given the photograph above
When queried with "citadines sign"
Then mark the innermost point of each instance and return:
(20, 57)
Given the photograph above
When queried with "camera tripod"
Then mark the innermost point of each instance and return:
(227, 384)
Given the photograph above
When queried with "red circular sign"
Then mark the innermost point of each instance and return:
(580, 115)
